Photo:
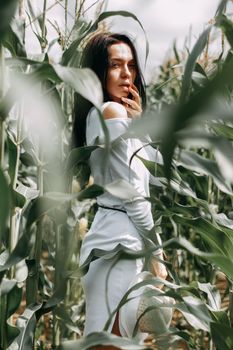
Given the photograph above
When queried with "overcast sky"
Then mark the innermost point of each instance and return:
(163, 21)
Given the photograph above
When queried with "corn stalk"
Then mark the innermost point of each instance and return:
(66, 19)
(3, 309)
(2, 123)
(56, 326)
(231, 305)
(80, 9)
(21, 8)
(34, 261)
(3, 298)
(43, 45)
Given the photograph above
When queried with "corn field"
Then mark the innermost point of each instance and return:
(48, 196)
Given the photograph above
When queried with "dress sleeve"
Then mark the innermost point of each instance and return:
(94, 130)
(138, 209)
(119, 167)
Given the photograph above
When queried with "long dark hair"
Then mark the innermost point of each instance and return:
(95, 56)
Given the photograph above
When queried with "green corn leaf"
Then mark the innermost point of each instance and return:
(6, 104)
(221, 317)
(222, 336)
(217, 239)
(12, 333)
(67, 321)
(224, 221)
(199, 79)
(185, 114)
(220, 260)
(27, 325)
(7, 11)
(199, 69)
(201, 165)
(221, 8)
(18, 200)
(102, 338)
(92, 191)
(191, 62)
(196, 313)
(222, 150)
(14, 297)
(11, 299)
(43, 205)
(79, 155)
(34, 13)
(213, 294)
(6, 286)
(26, 192)
(12, 151)
(223, 130)
(20, 252)
(227, 27)
(14, 37)
(82, 81)
(55, 299)
(4, 203)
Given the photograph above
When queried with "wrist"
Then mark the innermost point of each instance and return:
(158, 253)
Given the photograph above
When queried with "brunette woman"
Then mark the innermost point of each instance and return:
(117, 223)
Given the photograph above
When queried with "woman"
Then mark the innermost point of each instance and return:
(117, 223)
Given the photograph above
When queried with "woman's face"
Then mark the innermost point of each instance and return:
(121, 71)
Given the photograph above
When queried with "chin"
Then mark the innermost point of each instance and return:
(116, 99)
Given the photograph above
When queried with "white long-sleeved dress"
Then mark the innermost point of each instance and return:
(111, 228)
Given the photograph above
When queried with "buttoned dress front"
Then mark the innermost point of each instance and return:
(108, 280)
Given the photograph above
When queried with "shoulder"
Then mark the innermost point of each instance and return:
(117, 122)
(112, 110)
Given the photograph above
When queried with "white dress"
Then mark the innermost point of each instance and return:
(111, 228)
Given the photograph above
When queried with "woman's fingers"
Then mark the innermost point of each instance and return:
(131, 103)
(133, 108)
(134, 91)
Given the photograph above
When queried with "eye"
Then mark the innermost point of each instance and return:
(114, 65)
(132, 65)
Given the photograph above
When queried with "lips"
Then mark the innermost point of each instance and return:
(125, 85)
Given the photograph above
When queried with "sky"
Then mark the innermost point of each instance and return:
(163, 20)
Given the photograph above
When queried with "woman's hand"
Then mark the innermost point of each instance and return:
(158, 269)
(133, 106)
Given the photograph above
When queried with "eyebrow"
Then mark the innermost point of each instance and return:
(120, 59)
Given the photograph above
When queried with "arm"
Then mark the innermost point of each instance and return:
(157, 268)
(139, 210)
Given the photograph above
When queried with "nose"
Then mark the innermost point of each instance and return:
(125, 71)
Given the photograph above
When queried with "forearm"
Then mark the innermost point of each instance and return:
(139, 211)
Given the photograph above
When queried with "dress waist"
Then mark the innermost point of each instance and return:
(112, 208)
